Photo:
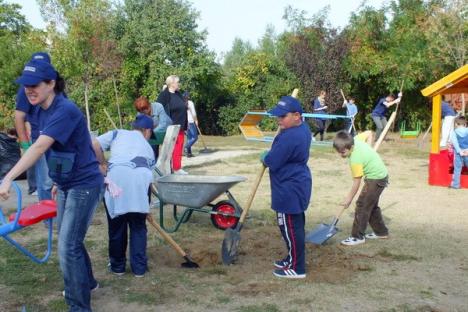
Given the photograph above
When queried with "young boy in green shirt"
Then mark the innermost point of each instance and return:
(364, 162)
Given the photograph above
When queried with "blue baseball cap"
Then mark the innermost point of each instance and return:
(35, 72)
(41, 56)
(142, 122)
(287, 104)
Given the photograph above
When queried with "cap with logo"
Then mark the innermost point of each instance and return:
(35, 72)
(41, 56)
(287, 104)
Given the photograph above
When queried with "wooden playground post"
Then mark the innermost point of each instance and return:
(398, 104)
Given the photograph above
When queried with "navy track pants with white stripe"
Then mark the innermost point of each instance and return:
(292, 229)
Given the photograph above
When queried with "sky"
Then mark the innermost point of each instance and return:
(245, 19)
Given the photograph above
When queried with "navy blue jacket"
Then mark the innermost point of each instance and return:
(290, 177)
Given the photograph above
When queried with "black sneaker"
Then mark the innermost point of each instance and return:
(109, 267)
(288, 273)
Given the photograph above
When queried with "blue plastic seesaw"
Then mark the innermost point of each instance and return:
(45, 210)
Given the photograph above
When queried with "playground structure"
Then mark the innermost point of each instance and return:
(44, 210)
(409, 134)
(250, 125)
(440, 161)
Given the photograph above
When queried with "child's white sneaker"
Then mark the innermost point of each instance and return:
(181, 172)
(375, 236)
(351, 241)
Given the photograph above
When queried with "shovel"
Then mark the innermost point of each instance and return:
(230, 248)
(189, 263)
(324, 231)
(205, 149)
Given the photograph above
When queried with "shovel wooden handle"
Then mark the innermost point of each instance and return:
(166, 236)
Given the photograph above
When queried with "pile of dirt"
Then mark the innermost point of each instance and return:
(260, 246)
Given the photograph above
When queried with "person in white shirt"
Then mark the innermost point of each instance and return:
(192, 133)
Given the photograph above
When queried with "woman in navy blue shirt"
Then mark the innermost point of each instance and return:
(64, 138)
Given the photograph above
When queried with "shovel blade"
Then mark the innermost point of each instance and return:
(230, 248)
(321, 234)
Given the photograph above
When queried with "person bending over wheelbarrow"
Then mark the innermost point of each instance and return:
(129, 175)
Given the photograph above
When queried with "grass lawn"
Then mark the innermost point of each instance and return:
(422, 267)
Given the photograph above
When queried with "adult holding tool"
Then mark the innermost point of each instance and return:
(319, 107)
(128, 179)
(26, 112)
(380, 111)
(176, 109)
(66, 141)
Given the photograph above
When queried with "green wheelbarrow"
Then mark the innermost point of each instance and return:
(189, 193)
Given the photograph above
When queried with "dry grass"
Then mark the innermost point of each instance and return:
(422, 267)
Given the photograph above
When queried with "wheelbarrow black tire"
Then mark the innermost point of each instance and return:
(223, 222)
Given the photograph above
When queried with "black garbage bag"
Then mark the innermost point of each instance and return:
(10, 153)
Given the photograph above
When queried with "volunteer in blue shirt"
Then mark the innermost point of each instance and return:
(24, 111)
(64, 138)
(380, 110)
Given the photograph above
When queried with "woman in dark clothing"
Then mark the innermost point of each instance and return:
(176, 109)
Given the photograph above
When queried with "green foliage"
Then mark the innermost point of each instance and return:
(112, 52)
(256, 84)
(17, 42)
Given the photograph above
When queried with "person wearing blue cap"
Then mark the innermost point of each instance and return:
(25, 112)
(291, 183)
(129, 175)
(64, 138)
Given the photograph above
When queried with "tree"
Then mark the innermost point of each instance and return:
(18, 40)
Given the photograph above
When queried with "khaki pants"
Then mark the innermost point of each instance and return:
(368, 210)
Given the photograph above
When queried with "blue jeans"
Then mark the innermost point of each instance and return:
(43, 181)
(192, 137)
(118, 242)
(458, 162)
(75, 210)
(31, 176)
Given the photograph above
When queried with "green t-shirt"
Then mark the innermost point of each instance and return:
(365, 162)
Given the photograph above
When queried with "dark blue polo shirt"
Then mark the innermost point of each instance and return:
(65, 123)
(380, 109)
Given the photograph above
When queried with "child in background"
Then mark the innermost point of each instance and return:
(459, 139)
(291, 183)
(351, 112)
(448, 115)
(364, 162)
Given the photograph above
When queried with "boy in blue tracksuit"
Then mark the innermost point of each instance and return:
(291, 183)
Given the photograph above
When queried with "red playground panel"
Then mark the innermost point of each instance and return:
(441, 169)
(43, 210)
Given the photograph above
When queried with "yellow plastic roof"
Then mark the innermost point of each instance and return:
(455, 82)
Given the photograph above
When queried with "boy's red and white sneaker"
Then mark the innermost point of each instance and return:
(288, 273)
(352, 241)
(375, 236)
